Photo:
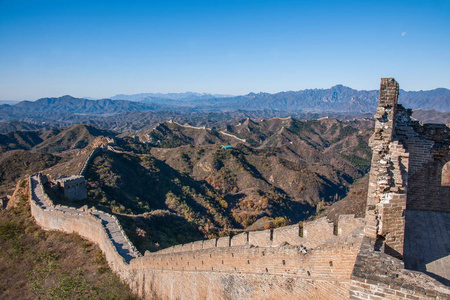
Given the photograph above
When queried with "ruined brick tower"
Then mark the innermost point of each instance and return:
(387, 194)
(408, 204)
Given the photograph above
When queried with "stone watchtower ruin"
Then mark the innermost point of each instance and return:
(73, 187)
(408, 205)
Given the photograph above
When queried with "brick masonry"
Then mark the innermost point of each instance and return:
(407, 221)
(386, 200)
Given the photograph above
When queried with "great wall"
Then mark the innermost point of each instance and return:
(400, 250)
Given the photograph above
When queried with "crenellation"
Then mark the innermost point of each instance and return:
(240, 239)
(260, 238)
(287, 234)
(198, 245)
(321, 231)
(223, 242)
(207, 244)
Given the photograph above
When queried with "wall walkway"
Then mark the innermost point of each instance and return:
(85, 165)
(428, 230)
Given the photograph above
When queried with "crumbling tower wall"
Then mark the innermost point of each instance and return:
(429, 148)
(409, 172)
(386, 203)
(408, 207)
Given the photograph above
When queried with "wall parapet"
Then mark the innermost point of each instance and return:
(289, 260)
(308, 234)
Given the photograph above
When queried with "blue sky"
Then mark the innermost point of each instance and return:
(102, 48)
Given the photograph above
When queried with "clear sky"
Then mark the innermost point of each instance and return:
(102, 48)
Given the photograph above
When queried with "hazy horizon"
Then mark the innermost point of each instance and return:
(111, 96)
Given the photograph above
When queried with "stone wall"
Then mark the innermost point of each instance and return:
(408, 161)
(91, 156)
(85, 225)
(51, 217)
(308, 234)
(245, 272)
(429, 149)
(405, 191)
(224, 268)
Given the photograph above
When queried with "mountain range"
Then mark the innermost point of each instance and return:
(338, 98)
(148, 109)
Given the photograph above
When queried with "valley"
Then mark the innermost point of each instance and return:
(276, 171)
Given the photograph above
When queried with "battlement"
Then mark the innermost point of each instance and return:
(309, 234)
(69, 179)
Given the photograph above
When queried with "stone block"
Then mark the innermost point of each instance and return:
(207, 244)
(223, 242)
(177, 248)
(289, 234)
(197, 245)
(186, 247)
(260, 238)
(240, 239)
(348, 223)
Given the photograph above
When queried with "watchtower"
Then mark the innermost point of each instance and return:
(408, 203)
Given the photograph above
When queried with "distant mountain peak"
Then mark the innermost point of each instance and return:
(340, 87)
(252, 94)
(168, 96)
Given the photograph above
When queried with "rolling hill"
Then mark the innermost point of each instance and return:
(26, 152)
